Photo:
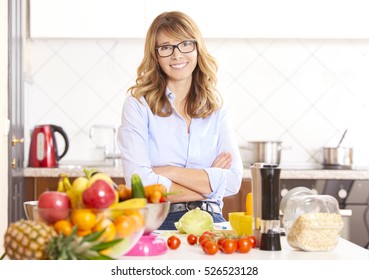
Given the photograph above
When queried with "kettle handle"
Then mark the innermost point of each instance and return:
(56, 128)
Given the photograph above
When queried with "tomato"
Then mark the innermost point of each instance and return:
(208, 232)
(252, 240)
(173, 242)
(229, 246)
(124, 225)
(192, 239)
(243, 245)
(220, 242)
(84, 219)
(210, 248)
(205, 236)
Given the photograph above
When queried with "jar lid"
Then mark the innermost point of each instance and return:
(292, 193)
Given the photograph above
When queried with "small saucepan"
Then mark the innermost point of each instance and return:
(337, 157)
(261, 151)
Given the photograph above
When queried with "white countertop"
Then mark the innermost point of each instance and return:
(345, 250)
(286, 173)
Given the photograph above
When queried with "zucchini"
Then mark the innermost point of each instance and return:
(138, 190)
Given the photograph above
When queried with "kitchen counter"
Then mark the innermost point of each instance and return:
(286, 173)
(345, 250)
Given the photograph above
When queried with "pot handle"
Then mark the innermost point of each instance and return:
(61, 131)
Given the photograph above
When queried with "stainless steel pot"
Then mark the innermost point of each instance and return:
(262, 151)
(338, 156)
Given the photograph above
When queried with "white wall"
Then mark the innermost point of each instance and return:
(3, 121)
(304, 92)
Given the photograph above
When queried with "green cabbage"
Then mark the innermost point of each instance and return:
(195, 222)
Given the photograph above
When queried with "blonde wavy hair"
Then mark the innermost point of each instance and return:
(203, 98)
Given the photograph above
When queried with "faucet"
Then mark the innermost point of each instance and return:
(108, 154)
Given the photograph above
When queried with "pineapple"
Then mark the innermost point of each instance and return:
(30, 240)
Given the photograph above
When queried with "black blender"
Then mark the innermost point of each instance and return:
(266, 198)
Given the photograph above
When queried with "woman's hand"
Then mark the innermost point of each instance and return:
(223, 160)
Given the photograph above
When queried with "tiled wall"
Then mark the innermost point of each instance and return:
(302, 92)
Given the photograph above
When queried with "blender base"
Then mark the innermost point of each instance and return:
(148, 245)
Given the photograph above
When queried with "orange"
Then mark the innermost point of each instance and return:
(84, 219)
(124, 192)
(63, 226)
(137, 217)
(125, 225)
(110, 231)
(81, 232)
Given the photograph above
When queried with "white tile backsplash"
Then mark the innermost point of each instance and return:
(302, 92)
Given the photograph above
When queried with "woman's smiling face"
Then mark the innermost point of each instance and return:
(178, 66)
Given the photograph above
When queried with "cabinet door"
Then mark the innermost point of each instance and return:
(87, 19)
(271, 18)
(35, 186)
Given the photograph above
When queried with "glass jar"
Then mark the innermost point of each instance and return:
(311, 222)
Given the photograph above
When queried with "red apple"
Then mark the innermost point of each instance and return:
(54, 206)
(99, 195)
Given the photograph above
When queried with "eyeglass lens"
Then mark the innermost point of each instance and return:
(183, 47)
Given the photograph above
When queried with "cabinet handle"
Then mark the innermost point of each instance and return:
(16, 141)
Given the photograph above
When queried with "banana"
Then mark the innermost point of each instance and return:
(100, 176)
(123, 207)
(133, 203)
(61, 187)
(67, 184)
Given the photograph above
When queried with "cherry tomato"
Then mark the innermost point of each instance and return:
(173, 242)
(220, 242)
(204, 237)
(229, 246)
(243, 245)
(192, 239)
(208, 232)
(210, 248)
(252, 240)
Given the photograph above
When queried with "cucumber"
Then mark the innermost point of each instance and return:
(138, 190)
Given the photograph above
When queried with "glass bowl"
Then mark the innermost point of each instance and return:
(156, 214)
(150, 244)
(125, 224)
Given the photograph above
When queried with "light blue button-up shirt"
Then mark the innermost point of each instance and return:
(147, 140)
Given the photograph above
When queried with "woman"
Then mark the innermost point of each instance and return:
(174, 128)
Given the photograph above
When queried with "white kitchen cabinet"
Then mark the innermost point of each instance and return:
(216, 18)
(271, 18)
(87, 19)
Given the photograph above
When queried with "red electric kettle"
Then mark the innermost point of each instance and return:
(43, 150)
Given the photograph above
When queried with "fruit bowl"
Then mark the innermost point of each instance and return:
(127, 225)
(150, 244)
(156, 214)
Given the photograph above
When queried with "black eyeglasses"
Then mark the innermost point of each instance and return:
(184, 47)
